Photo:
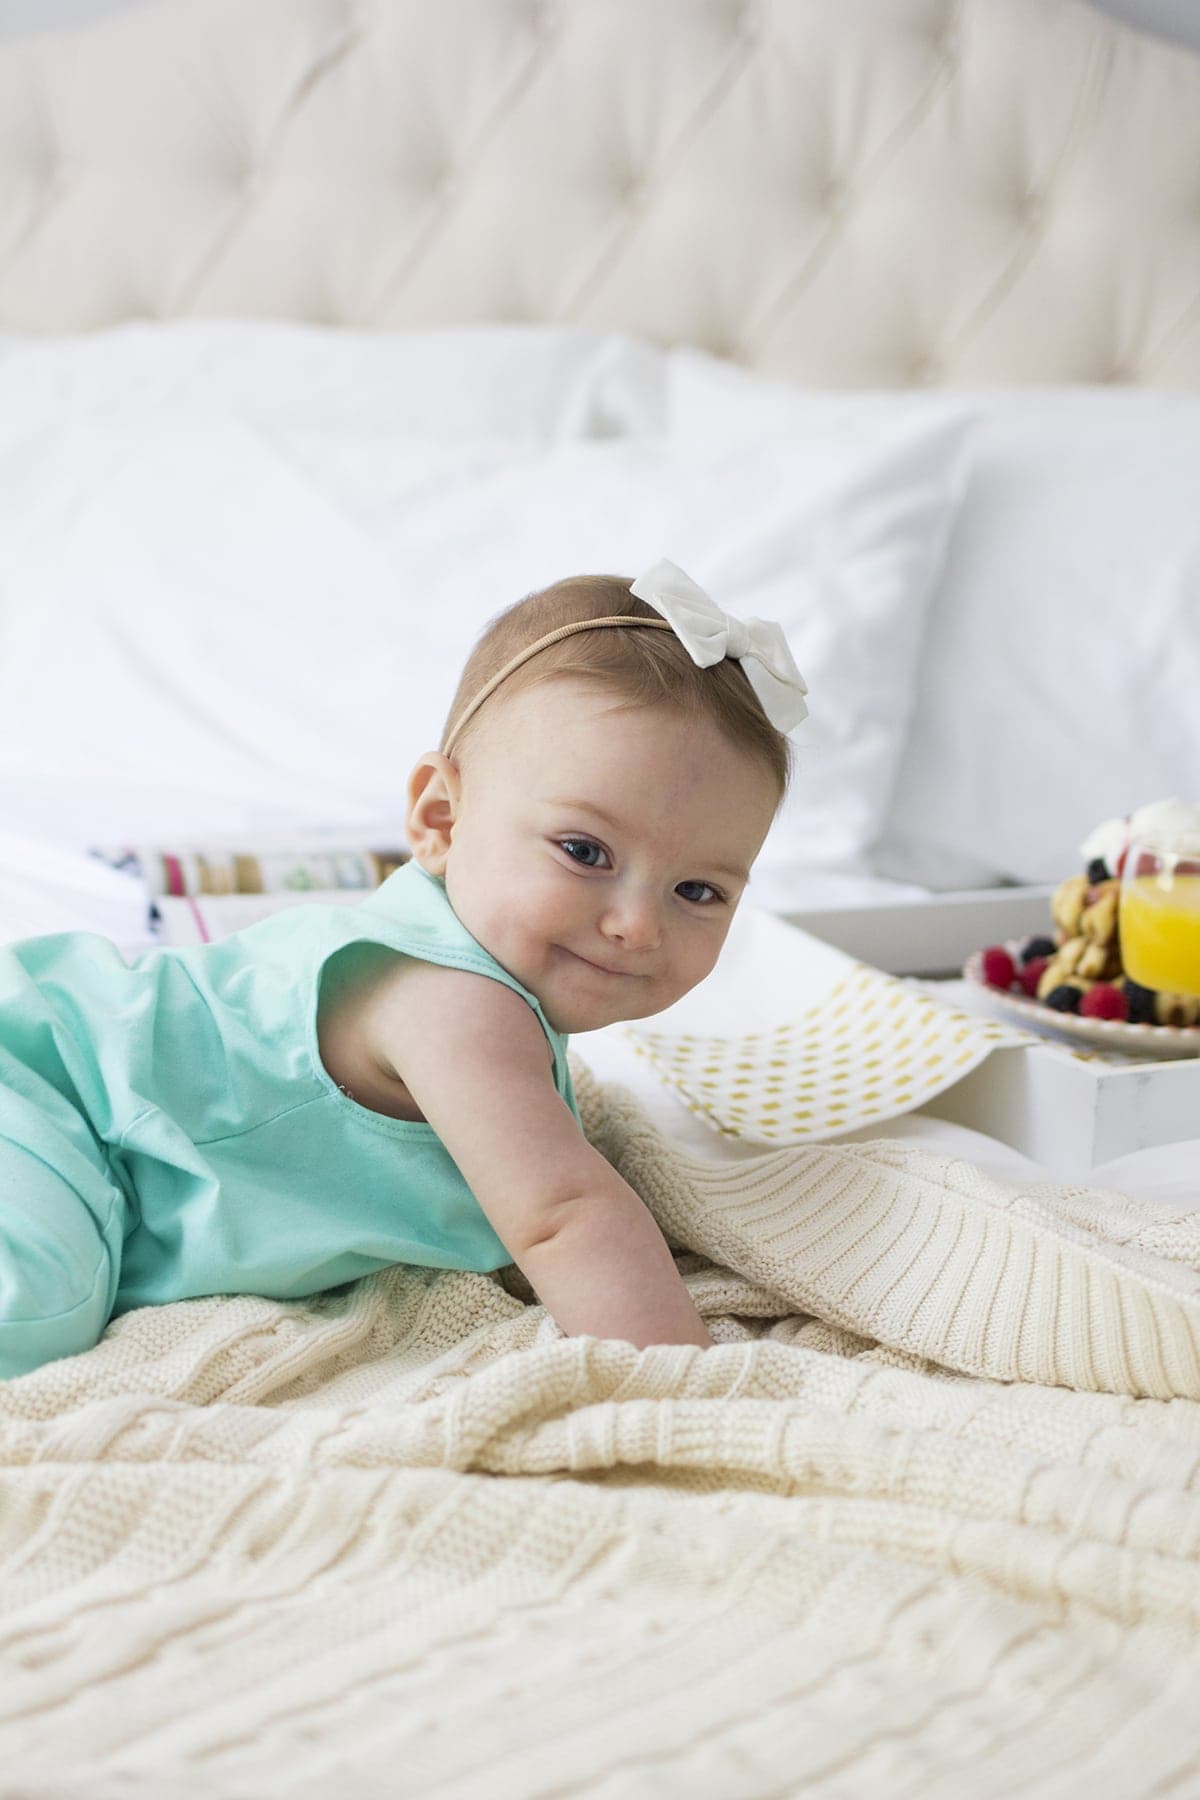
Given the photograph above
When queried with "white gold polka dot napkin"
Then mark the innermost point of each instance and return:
(869, 1048)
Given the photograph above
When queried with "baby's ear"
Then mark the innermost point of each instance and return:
(434, 789)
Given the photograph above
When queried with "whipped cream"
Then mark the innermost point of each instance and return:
(1172, 825)
(1106, 842)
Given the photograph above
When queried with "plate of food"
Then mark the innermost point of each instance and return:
(1131, 1037)
(1072, 978)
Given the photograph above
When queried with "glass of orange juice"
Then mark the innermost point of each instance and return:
(1160, 916)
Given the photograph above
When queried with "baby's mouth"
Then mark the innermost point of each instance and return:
(600, 968)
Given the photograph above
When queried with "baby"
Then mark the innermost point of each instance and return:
(337, 1089)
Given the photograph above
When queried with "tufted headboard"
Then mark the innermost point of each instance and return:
(849, 192)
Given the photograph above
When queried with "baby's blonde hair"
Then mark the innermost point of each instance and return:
(639, 667)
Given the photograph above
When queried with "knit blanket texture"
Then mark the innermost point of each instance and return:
(926, 1521)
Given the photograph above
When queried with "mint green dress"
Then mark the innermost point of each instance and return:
(168, 1129)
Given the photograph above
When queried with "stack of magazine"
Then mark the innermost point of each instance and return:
(195, 896)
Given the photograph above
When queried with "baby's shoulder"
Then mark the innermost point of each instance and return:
(399, 1014)
(414, 999)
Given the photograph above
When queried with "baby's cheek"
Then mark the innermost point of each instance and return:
(696, 967)
(525, 930)
(544, 911)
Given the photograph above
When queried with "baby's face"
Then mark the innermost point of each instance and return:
(598, 855)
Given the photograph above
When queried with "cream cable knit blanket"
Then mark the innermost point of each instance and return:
(872, 1544)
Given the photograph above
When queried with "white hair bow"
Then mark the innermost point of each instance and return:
(708, 634)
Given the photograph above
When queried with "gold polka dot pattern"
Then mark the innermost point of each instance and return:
(872, 1049)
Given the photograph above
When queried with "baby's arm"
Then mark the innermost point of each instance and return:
(476, 1061)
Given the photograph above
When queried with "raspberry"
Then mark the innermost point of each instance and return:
(1065, 998)
(1031, 974)
(1104, 1002)
(998, 967)
(1037, 946)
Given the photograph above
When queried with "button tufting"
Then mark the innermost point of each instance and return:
(990, 155)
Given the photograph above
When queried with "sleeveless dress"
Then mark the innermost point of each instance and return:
(168, 1129)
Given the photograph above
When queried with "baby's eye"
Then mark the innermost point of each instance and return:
(717, 897)
(570, 845)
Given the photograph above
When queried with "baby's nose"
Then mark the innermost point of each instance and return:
(634, 922)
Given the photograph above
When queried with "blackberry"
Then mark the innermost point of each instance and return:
(1097, 871)
(1141, 1003)
(1037, 946)
(1065, 998)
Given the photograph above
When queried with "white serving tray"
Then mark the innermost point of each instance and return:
(931, 937)
(1071, 1115)
(1069, 1109)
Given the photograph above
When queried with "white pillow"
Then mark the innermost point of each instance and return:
(1060, 683)
(535, 382)
(208, 632)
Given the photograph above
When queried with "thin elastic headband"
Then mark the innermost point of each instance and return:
(551, 637)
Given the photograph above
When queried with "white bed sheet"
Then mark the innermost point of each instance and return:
(45, 887)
